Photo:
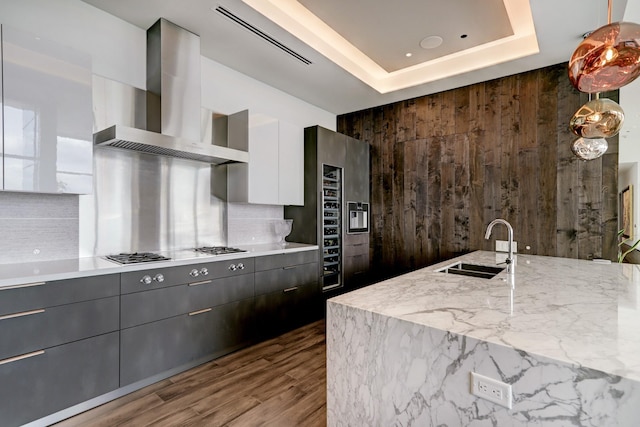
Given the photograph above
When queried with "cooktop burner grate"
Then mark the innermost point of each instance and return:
(137, 257)
(218, 250)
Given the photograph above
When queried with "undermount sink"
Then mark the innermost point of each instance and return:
(472, 270)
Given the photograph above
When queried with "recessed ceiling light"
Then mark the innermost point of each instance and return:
(408, 54)
(431, 42)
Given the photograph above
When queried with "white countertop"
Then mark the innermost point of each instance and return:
(22, 273)
(574, 311)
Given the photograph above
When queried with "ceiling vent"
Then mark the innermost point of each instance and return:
(266, 37)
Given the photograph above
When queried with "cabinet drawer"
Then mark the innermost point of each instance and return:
(220, 291)
(171, 276)
(284, 310)
(269, 262)
(286, 277)
(156, 347)
(144, 307)
(38, 329)
(33, 296)
(357, 249)
(37, 386)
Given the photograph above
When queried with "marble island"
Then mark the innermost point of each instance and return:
(566, 338)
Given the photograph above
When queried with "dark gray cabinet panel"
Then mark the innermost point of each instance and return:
(269, 262)
(58, 292)
(286, 277)
(220, 291)
(53, 326)
(285, 310)
(356, 171)
(156, 304)
(156, 347)
(131, 281)
(61, 377)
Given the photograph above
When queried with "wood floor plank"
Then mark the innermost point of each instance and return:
(262, 414)
(251, 387)
(108, 408)
(223, 414)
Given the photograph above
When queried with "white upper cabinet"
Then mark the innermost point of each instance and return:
(47, 109)
(274, 174)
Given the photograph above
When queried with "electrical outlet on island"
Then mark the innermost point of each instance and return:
(492, 390)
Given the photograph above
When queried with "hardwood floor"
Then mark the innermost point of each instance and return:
(279, 382)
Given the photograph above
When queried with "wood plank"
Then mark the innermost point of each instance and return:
(492, 168)
(422, 194)
(545, 239)
(567, 174)
(409, 205)
(509, 141)
(461, 194)
(434, 208)
(476, 135)
(447, 198)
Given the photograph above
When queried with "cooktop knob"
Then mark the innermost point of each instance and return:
(194, 273)
(233, 267)
(204, 271)
(159, 278)
(240, 266)
(146, 279)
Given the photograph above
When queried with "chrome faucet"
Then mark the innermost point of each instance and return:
(511, 267)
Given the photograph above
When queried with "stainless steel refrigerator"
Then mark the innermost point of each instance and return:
(335, 215)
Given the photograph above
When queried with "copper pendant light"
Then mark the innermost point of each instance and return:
(589, 149)
(607, 59)
(598, 118)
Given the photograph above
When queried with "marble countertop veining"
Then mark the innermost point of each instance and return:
(574, 311)
(30, 272)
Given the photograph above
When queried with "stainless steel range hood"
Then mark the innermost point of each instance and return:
(173, 103)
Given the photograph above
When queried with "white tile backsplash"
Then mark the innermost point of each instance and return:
(38, 227)
(251, 224)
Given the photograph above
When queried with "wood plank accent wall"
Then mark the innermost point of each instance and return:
(444, 165)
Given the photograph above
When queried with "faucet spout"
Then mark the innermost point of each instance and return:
(510, 264)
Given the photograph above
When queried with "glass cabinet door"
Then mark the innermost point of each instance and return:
(331, 226)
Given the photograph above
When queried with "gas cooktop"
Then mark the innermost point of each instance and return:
(218, 250)
(136, 257)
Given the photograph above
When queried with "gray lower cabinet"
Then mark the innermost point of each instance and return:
(59, 345)
(44, 382)
(287, 292)
(175, 325)
(171, 343)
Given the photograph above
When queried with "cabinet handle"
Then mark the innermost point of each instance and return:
(21, 314)
(358, 244)
(195, 313)
(21, 357)
(204, 282)
(289, 267)
(294, 288)
(24, 285)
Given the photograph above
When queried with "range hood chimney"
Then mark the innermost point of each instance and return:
(173, 102)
